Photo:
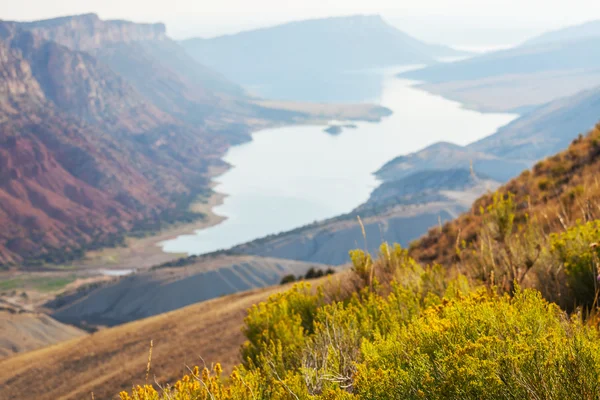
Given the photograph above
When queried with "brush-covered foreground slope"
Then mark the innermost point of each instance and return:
(557, 192)
(114, 359)
(479, 324)
(546, 68)
(291, 55)
(170, 287)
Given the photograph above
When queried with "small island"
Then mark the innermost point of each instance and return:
(333, 129)
(337, 129)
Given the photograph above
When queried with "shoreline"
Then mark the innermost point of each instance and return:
(141, 254)
(145, 253)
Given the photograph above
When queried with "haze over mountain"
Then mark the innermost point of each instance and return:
(152, 63)
(545, 68)
(108, 127)
(285, 57)
(570, 33)
(67, 180)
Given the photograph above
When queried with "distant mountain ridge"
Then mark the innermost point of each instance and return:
(158, 68)
(318, 49)
(94, 32)
(553, 65)
(585, 30)
(529, 58)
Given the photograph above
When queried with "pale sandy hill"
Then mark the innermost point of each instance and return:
(161, 290)
(22, 331)
(113, 359)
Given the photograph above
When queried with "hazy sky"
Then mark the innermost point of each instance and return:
(459, 22)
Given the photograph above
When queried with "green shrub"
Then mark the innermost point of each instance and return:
(422, 334)
(578, 251)
(484, 346)
(288, 279)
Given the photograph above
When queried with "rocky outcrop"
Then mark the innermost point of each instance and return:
(157, 67)
(83, 156)
(92, 32)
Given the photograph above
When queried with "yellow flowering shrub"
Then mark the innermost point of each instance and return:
(578, 251)
(422, 336)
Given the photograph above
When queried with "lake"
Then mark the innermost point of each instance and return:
(292, 176)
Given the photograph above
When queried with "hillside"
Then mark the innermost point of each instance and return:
(84, 156)
(445, 156)
(545, 130)
(111, 360)
(570, 33)
(490, 297)
(514, 147)
(557, 192)
(280, 60)
(22, 330)
(170, 287)
(399, 211)
(555, 65)
(436, 308)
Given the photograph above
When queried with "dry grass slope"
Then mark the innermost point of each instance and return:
(26, 331)
(113, 359)
(557, 192)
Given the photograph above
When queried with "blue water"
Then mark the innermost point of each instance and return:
(289, 177)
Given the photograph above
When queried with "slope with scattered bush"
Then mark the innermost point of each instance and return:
(502, 305)
(398, 330)
(498, 304)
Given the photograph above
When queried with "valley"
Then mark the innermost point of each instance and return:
(264, 201)
(109, 361)
(156, 190)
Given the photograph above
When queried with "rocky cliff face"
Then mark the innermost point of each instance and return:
(92, 32)
(83, 156)
(79, 84)
(157, 67)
